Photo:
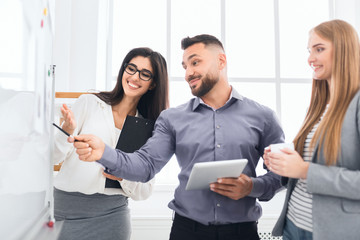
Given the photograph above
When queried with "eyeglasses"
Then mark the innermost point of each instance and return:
(144, 74)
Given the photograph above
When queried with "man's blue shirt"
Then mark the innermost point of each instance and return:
(195, 132)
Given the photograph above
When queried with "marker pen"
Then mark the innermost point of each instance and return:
(66, 133)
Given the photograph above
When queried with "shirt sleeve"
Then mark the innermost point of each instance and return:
(143, 164)
(138, 190)
(267, 185)
(333, 181)
(61, 146)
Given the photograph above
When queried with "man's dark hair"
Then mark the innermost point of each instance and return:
(203, 38)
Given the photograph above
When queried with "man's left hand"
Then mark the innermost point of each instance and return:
(234, 188)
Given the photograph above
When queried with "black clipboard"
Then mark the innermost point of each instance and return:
(134, 134)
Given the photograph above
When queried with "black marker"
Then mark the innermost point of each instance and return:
(66, 133)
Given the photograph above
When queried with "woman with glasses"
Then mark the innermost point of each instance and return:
(89, 209)
(323, 174)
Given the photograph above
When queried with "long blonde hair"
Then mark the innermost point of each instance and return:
(345, 82)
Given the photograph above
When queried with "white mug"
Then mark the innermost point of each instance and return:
(276, 147)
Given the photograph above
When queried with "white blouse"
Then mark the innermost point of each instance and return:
(93, 116)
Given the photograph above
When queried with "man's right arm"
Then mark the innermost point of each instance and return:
(142, 165)
(267, 185)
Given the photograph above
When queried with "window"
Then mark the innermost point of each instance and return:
(249, 39)
(265, 43)
(137, 23)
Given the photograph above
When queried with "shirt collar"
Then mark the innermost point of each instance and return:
(234, 94)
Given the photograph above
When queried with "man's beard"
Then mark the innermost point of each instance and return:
(205, 86)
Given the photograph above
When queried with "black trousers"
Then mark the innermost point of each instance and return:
(185, 228)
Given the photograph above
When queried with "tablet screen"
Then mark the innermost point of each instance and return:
(204, 173)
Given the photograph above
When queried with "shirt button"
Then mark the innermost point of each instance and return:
(218, 205)
(218, 146)
(217, 126)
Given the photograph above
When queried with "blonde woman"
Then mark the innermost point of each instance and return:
(323, 174)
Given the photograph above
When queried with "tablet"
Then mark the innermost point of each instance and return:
(204, 173)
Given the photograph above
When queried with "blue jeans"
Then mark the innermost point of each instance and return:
(292, 232)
